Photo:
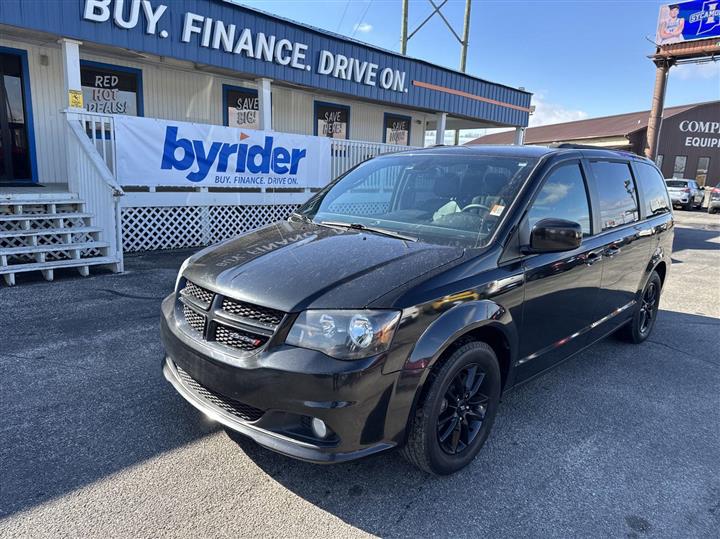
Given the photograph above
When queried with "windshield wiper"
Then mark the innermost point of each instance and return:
(365, 228)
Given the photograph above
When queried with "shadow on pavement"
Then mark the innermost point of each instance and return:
(596, 429)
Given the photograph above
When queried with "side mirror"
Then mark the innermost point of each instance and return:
(554, 235)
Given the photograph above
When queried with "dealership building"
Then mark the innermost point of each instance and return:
(689, 145)
(141, 124)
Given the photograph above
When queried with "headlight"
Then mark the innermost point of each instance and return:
(344, 334)
(180, 272)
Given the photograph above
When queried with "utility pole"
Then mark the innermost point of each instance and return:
(463, 52)
(403, 28)
(658, 102)
(404, 37)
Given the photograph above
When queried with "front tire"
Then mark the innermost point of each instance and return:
(643, 321)
(453, 422)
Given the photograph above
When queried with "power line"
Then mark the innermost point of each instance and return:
(362, 17)
(347, 3)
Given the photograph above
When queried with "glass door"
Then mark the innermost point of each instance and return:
(14, 148)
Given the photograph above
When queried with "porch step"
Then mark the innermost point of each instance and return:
(82, 264)
(49, 231)
(14, 201)
(53, 247)
(6, 217)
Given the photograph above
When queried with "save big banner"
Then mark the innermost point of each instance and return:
(162, 152)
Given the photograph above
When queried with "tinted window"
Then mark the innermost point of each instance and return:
(616, 189)
(563, 196)
(676, 183)
(653, 188)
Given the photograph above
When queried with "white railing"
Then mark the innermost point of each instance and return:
(90, 177)
(348, 153)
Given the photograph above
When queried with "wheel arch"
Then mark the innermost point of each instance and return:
(489, 322)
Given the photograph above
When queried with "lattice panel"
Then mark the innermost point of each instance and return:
(175, 227)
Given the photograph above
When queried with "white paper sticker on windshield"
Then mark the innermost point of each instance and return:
(497, 209)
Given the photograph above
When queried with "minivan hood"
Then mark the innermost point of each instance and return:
(294, 266)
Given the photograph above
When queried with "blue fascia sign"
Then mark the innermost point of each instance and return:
(225, 35)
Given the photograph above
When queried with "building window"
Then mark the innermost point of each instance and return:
(111, 89)
(659, 161)
(396, 129)
(617, 193)
(241, 107)
(679, 167)
(702, 170)
(332, 120)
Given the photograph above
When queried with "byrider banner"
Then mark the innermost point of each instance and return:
(161, 152)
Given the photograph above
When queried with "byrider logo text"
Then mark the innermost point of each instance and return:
(232, 163)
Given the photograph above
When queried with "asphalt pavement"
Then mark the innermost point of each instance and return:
(621, 441)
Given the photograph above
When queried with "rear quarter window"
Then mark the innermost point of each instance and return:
(617, 193)
(652, 186)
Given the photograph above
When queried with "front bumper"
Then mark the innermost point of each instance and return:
(286, 387)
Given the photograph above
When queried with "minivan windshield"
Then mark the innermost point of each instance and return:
(435, 198)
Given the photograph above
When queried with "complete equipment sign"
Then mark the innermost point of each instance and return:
(160, 152)
(688, 21)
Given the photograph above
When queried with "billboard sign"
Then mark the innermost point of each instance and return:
(688, 21)
(160, 152)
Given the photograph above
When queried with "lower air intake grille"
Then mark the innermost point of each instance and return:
(239, 339)
(238, 409)
(194, 320)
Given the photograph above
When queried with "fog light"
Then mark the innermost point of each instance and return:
(319, 427)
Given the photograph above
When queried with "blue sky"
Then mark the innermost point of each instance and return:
(580, 58)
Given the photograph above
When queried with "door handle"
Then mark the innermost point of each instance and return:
(611, 251)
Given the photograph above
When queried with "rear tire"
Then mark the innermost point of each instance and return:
(454, 420)
(643, 321)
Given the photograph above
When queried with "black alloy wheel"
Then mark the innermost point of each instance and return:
(649, 306)
(641, 324)
(463, 410)
(452, 422)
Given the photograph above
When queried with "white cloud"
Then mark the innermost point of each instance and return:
(708, 70)
(363, 27)
(553, 113)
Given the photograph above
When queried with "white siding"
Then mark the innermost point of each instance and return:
(177, 93)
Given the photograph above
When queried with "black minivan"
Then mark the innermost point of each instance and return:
(397, 305)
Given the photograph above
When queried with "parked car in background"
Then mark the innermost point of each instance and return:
(714, 200)
(397, 305)
(685, 193)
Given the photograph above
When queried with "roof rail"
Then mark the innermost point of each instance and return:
(570, 146)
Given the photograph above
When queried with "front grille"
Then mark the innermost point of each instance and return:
(218, 319)
(236, 338)
(236, 408)
(198, 293)
(264, 315)
(194, 320)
